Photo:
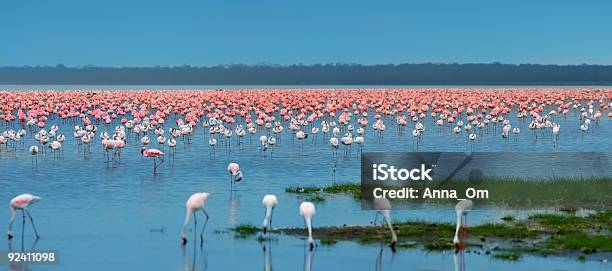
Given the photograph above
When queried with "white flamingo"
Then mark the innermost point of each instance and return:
(382, 206)
(195, 203)
(307, 211)
(269, 202)
(34, 153)
(462, 208)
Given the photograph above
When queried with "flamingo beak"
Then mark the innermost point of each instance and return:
(265, 229)
(393, 246)
(10, 236)
(311, 246)
(184, 241)
(238, 176)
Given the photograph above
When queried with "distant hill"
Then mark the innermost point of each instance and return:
(328, 74)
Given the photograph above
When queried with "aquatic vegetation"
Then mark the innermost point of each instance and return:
(315, 198)
(440, 244)
(580, 241)
(508, 231)
(601, 221)
(407, 244)
(303, 189)
(539, 234)
(507, 256)
(353, 189)
(243, 231)
(317, 194)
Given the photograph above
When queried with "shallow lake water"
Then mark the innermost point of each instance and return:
(118, 215)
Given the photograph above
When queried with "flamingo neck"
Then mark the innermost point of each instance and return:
(10, 227)
(187, 217)
(385, 214)
(456, 239)
(308, 221)
(266, 221)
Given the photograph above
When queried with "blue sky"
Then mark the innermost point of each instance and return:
(200, 32)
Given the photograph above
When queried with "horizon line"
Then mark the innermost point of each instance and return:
(263, 64)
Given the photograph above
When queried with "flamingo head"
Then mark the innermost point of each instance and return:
(184, 240)
(35, 199)
(238, 176)
(142, 150)
(458, 245)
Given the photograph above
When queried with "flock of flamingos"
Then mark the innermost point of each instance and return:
(112, 119)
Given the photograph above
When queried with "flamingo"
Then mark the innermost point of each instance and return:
(263, 140)
(416, 133)
(516, 131)
(172, 144)
(301, 135)
(195, 203)
(161, 140)
(212, 142)
(347, 141)
(360, 140)
(307, 211)
(235, 173)
(382, 207)
(85, 139)
(22, 202)
(271, 143)
(505, 132)
(155, 154)
(145, 140)
(462, 208)
(472, 137)
(55, 146)
(34, 153)
(555, 131)
(269, 202)
(334, 143)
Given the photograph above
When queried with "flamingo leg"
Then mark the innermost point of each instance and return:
(375, 218)
(23, 221)
(195, 223)
(271, 214)
(154, 166)
(202, 232)
(161, 161)
(32, 221)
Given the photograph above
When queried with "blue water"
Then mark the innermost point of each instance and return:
(118, 215)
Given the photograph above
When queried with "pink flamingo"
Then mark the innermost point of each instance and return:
(22, 202)
(155, 153)
(195, 203)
